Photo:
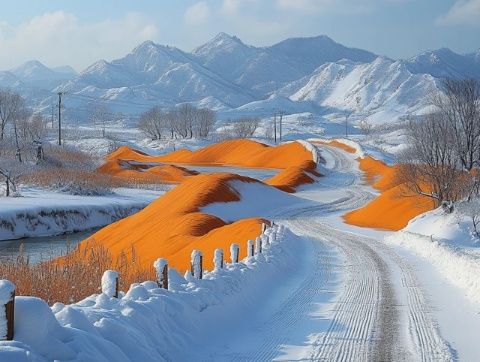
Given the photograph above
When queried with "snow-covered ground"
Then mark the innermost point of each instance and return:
(44, 213)
(151, 324)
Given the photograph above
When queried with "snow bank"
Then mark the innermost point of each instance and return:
(149, 323)
(316, 156)
(41, 213)
(461, 268)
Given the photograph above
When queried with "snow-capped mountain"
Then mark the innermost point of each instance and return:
(443, 63)
(297, 75)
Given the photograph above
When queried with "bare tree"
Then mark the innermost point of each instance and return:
(153, 123)
(101, 115)
(204, 122)
(245, 127)
(11, 105)
(430, 166)
(459, 103)
(185, 120)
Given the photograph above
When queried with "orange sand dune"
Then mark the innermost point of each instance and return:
(163, 173)
(289, 179)
(295, 161)
(392, 209)
(172, 226)
(245, 153)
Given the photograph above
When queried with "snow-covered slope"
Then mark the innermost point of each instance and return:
(379, 86)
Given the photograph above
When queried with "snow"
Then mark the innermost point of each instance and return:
(146, 323)
(109, 283)
(45, 213)
(256, 200)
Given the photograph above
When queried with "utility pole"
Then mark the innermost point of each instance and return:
(60, 94)
(275, 127)
(53, 115)
(346, 125)
(281, 120)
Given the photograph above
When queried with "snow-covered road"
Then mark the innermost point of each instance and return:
(352, 298)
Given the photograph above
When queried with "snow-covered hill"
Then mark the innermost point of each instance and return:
(381, 87)
(315, 75)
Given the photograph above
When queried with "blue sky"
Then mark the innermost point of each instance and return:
(78, 32)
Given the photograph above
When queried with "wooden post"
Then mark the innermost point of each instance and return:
(250, 249)
(218, 259)
(258, 245)
(197, 264)
(264, 227)
(8, 298)
(234, 251)
(110, 283)
(10, 316)
(161, 271)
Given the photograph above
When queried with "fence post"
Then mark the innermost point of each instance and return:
(161, 271)
(250, 249)
(7, 296)
(218, 259)
(234, 249)
(258, 245)
(110, 283)
(197, 264)
(264, 227)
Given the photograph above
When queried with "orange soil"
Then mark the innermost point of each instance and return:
(172, 226)
(290, 178)
(392, 210)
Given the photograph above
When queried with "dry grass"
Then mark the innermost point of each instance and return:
(74, 276)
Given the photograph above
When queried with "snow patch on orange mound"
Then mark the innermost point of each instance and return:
(392, 210)
(173, 225)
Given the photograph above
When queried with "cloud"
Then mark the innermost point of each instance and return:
(232, 7)
(463, 12)
(197, 14)
(59, 38)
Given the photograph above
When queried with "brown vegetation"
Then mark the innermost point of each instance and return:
(74, 276)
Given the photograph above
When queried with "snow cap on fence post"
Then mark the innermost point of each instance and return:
(218, 259)
(258, 245)
(264, 227)
(265, 240)
(7, 302)
(196, 264)
(250, 249)
(161, 271)
(234, 249)
(110, 283)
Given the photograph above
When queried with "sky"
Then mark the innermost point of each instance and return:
(80, 32)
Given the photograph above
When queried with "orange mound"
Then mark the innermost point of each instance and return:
(392, 210)
(289, 179)
(127, 169)
(172, 226)
(337, 144)
(292, 157)
(245, 153)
